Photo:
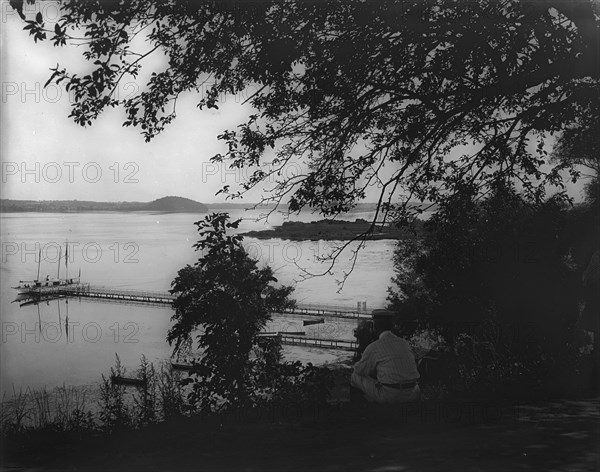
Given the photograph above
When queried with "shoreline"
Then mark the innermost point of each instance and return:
(334, 230)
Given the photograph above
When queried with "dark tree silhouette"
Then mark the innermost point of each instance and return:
(400, 82)
(500, 255)
(224, 300)
(579, 144)
(508, 274)
(420, 99)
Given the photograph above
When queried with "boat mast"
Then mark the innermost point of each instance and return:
(39, 262)
(67, 260)
(59, 256)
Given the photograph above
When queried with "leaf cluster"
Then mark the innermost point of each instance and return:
(418, 100)
(224, 300)
(501, 256)
(364, 93)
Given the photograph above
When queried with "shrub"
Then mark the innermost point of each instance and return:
(114, 412)
(171, 394)
(145, 402)
(231, 298)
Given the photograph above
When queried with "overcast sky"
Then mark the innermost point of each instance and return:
(39, 141)
(45, 156)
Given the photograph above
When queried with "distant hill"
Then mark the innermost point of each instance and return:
(165, 204)
(175, 205)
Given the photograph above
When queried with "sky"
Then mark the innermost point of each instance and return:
(46, 156)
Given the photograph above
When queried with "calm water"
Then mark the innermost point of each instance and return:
(144, 251)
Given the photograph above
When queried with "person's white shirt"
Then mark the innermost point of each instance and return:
(389, 360)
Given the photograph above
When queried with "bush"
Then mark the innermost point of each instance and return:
(114, 411)
(500, 361)
(171, 394)
(231, 298)
(63, 409)
(506, 266)
(145, 403)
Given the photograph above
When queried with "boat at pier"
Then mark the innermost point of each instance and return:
(27, 287)
(39, 287)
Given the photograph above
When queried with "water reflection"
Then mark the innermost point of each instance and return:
(30, 299)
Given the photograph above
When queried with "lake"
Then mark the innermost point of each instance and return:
(144, 251)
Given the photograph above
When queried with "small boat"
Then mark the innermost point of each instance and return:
(183, 367)
(119, 380)
(312, 322)
(292, 333)
(268, 334)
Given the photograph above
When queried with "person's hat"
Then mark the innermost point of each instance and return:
(383, 314)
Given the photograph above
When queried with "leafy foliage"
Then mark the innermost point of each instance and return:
(499, 255)
(159, 396)
(502, 280)
(64, 409)
(423, 99)
(228, 299)
(171, 393)
(115, 413)
(145, 403)
(579, 144)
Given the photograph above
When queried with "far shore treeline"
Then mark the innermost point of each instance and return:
(169, 204)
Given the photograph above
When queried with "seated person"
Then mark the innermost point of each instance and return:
(387, 371)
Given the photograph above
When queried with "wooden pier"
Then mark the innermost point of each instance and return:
(338, 344)
(334, 311)
(123, 295)
(164, 298)
(98, 293)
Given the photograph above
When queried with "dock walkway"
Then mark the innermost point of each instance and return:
(338, 344)
(165, 298)
(98, 293)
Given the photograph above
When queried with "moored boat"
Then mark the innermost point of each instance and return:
(120, 380)
(181, 366)
(37, 286)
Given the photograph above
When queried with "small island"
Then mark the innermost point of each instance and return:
(165, 204)
(340, 230)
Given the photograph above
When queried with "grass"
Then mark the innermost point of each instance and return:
(56, 430)
(63, 408)
(559, 435)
